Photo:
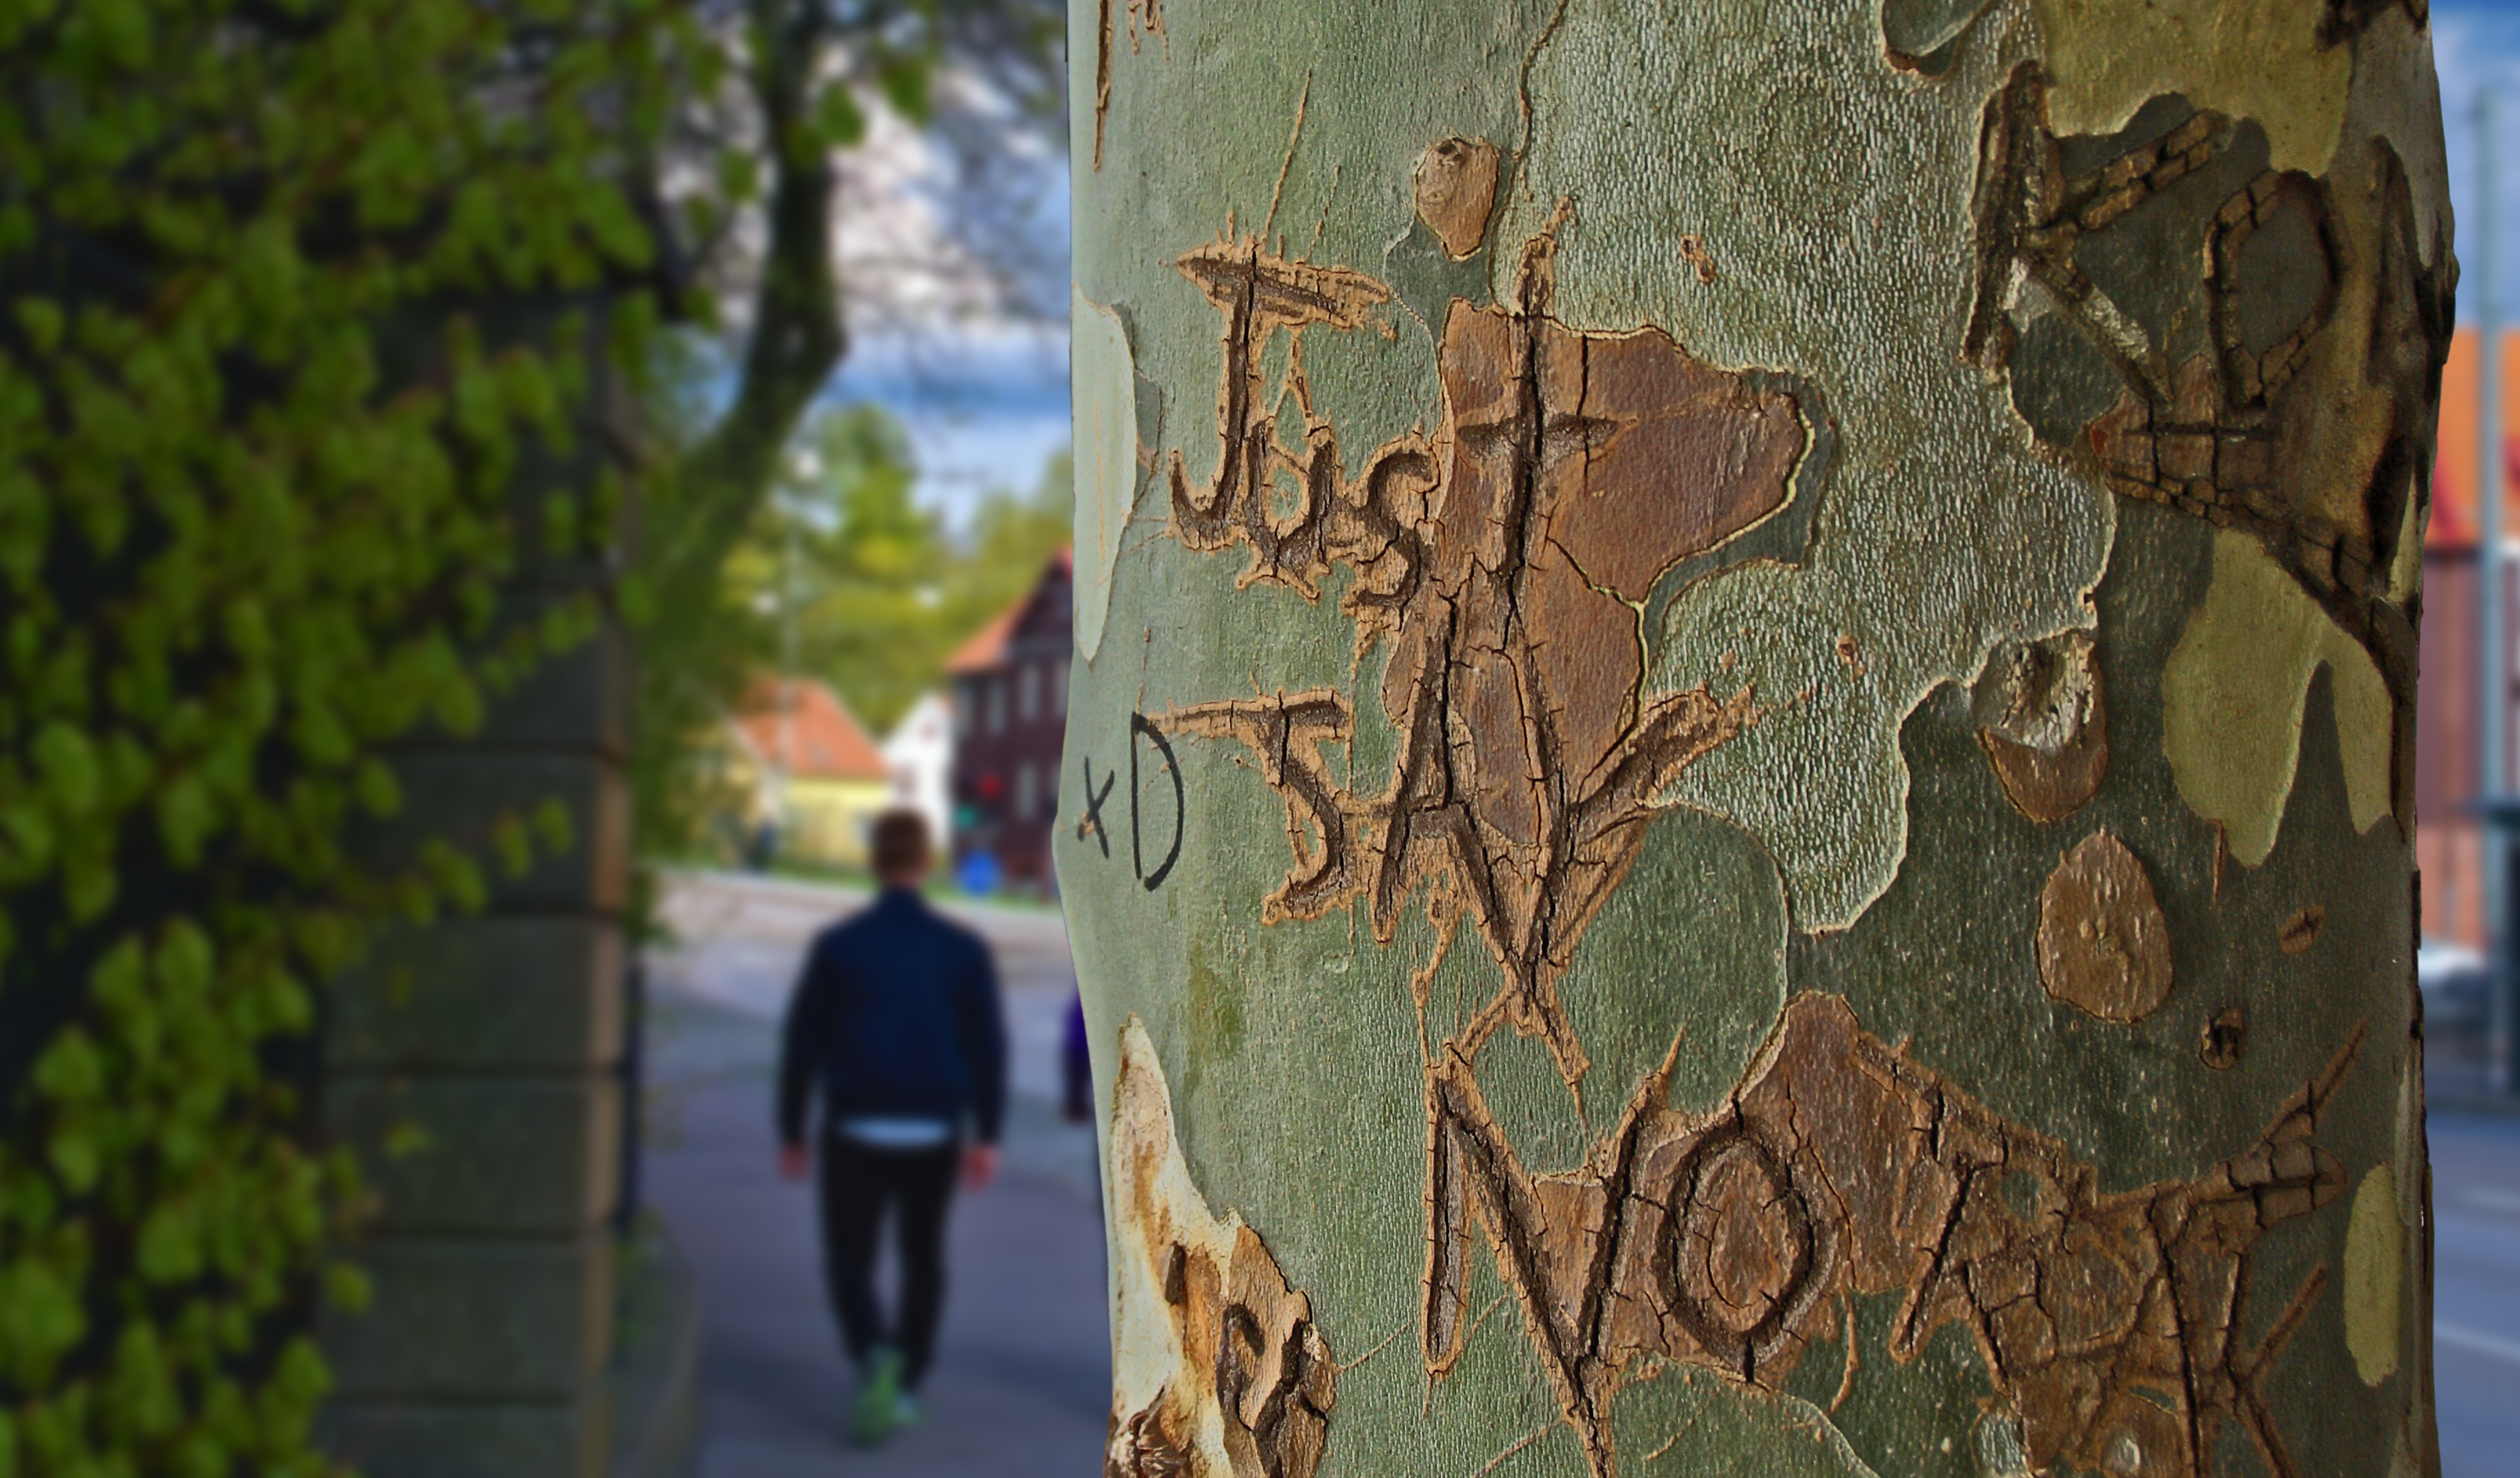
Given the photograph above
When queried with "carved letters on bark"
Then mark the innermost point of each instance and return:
(1218, 1369)
(1505, 561)
(1841, 1167)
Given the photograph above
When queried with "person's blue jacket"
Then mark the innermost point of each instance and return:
(895, 1016)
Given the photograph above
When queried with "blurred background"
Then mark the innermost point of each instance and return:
(843, 586)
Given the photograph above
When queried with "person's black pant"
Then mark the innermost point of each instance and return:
(859, 1184)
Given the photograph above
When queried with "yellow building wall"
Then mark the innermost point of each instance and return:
(827, 820)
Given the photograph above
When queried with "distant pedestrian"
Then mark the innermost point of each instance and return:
(896, 1025)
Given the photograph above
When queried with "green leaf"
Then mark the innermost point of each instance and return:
(144, 1387)
(29, 838)
(248, 631)
(170, 1242)
(185, 817)
(838, 121)
(552, 825)
(186, 960)
(70, 766)
(41, 318)
(347, 1287)
(903, 81)
(376, 789)
(39, 1318)
(88, 880)
(72, 1070)
(405, 1138)
(73, 1156)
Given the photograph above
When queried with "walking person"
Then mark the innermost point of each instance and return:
(895, 1026)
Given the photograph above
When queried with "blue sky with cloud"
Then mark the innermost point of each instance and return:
(983, 409)
(2476, 48)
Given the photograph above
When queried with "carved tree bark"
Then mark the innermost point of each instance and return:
(1739, 771)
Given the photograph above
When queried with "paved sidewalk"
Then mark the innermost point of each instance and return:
(1021, 1380)
(2476, 1292)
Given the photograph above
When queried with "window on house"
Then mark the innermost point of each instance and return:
(997, 705)
(961, 709)
(1024, 793)
(1058, 690)
(1028, 693)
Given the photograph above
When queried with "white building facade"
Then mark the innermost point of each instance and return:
(919, 754)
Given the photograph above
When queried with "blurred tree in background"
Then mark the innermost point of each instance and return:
(886, 592)
(883, 591)
(980, 83)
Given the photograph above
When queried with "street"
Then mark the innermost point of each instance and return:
(1021, 1380)
(2476, 1292)
(1020, 1384)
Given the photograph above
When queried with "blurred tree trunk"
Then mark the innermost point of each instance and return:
(1740, 771)
(798, 331)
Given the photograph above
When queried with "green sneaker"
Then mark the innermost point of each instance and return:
(878, 1408)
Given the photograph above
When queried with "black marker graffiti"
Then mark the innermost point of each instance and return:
(1138, 725)
(1091, 823)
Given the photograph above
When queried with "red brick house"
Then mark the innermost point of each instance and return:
(1010, 687)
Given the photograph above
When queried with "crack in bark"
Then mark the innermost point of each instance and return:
(1146, 18)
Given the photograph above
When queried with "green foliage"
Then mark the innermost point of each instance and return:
(288, 293)
(885, 591)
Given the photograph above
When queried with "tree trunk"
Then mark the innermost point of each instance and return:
(1741, 760)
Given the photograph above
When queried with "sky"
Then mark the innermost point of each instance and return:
(984, 409)
(986, 404)
(2476, 49)
(958, 291)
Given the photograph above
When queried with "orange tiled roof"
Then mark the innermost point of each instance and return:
(987, 646)
(830, 742)
(2454, 523)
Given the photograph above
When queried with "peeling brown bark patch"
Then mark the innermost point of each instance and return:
(2103, 944)
(1507, 558)
(1456, 184)
(1218, 1368)
(2107, 1323)
(2043, 720)
(2301, 930)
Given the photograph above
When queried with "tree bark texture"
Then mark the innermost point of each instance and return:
(1739, 774)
